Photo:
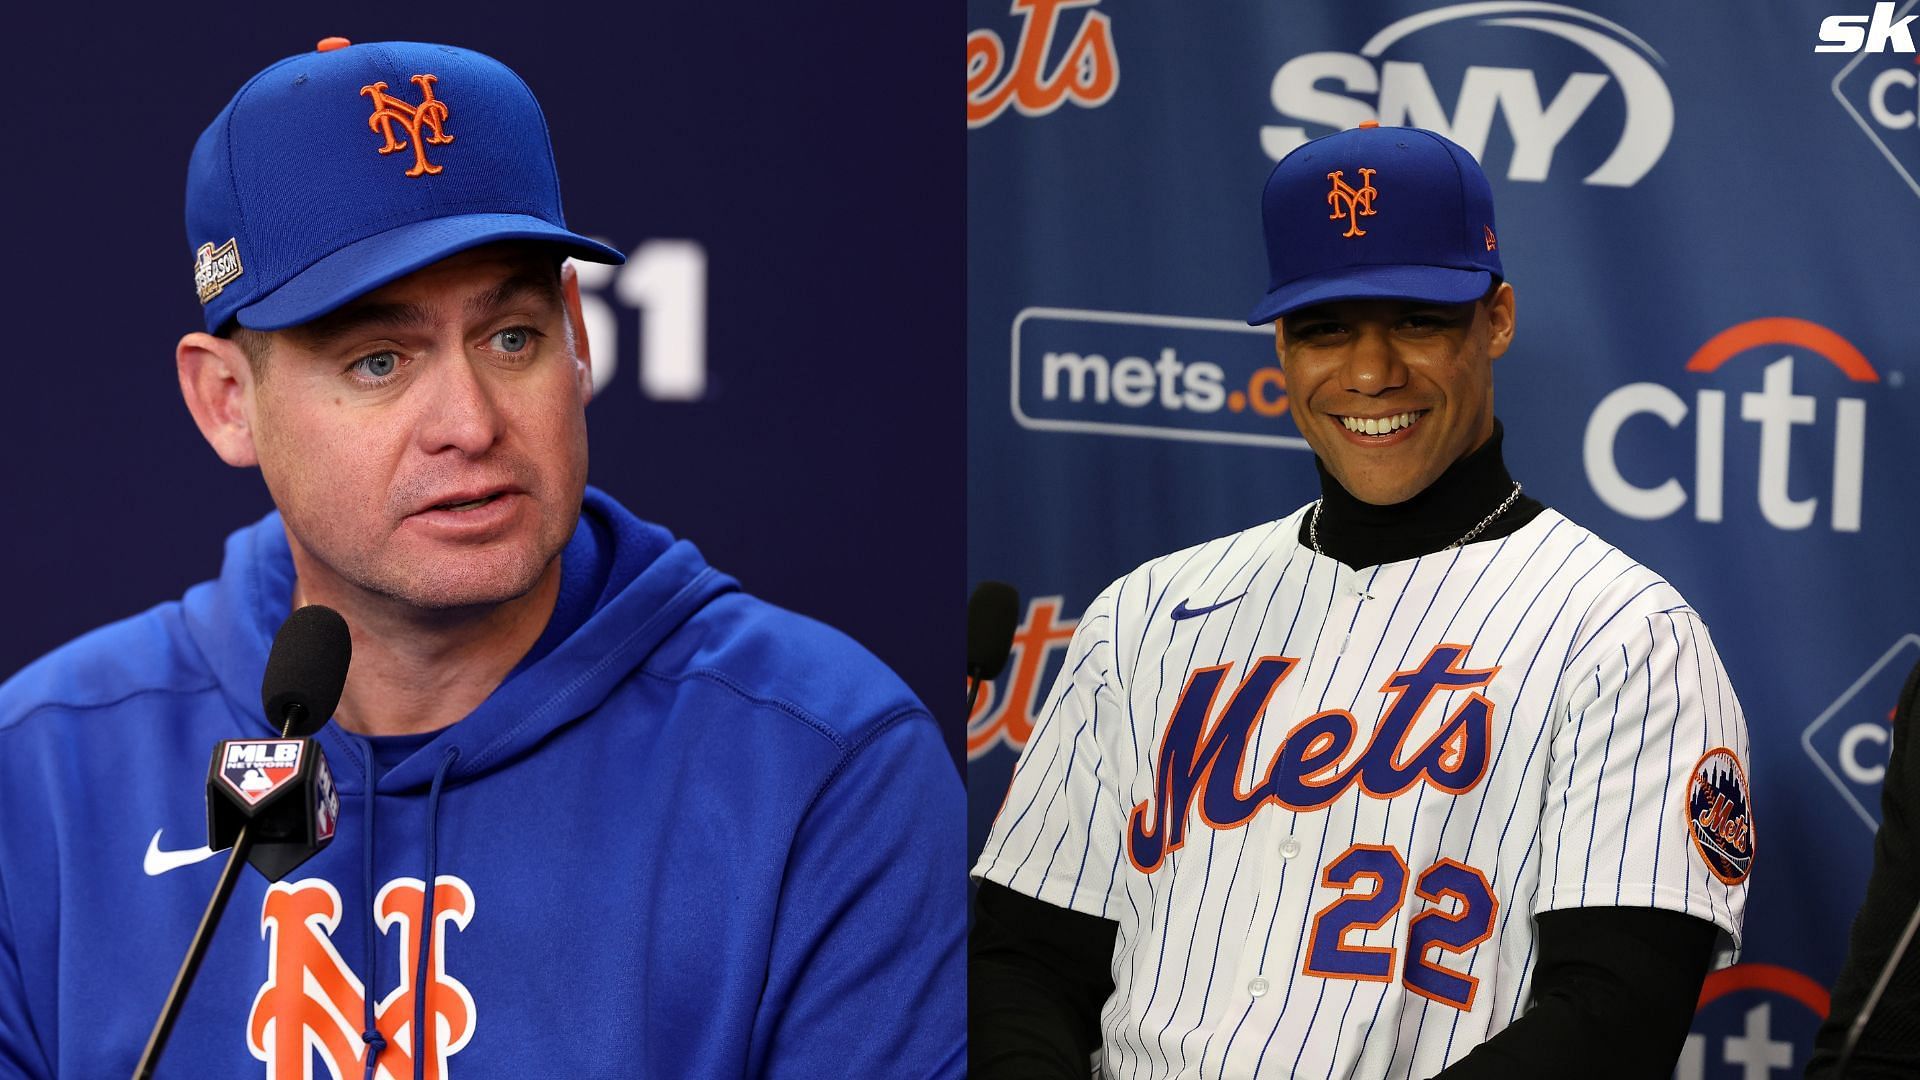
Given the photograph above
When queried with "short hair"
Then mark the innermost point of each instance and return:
(255, 343)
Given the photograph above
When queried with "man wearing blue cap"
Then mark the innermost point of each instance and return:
(601, 813)
(1422, 779)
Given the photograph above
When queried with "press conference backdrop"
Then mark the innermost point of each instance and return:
(767, 385)
(1713, 232)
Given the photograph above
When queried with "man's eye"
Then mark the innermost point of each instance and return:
(513, 339)
(377, 366)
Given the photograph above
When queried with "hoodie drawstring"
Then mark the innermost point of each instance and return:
(426, 918)
(375, 1042)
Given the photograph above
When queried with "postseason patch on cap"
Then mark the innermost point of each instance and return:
(214, 267)
(1719, 817)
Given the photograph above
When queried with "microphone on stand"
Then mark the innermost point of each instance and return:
(992, 613)
(1859, 1025)
(271, 800)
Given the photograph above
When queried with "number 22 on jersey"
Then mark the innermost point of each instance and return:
(1380, 866)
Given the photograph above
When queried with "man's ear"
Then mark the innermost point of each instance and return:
(576, 329)
(1500, 321)
(218, 387)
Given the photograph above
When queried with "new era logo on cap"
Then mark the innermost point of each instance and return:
(1413, 214)
(298, 177)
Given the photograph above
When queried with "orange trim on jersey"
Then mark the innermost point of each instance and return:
(1754, 333)
(1163, 761)
(1259, 716)
(1395, 758)
(1340, 942)
(1473, 981)
(1313, 749)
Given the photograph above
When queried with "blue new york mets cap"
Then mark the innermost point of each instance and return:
(334, 172)
(1377, 213)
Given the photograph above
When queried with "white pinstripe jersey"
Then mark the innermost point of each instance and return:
(1324, 804)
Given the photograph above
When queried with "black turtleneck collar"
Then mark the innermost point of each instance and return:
(1361, 534)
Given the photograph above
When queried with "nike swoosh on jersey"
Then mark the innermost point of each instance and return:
(1182, 611)
(159, 862)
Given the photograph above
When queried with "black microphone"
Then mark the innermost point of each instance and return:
(306, 671)
(992, 614)
(271, 800)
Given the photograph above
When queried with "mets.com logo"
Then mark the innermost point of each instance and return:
(1801, 456)
(1151, 376)
(1880, 86)
(1541, 110)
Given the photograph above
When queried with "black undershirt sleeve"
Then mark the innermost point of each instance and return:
(1614, 993)
(1037, 976)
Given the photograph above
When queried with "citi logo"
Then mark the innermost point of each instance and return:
(1878, 32)
(1788, 345)
(1086, 74)
(1401, 92)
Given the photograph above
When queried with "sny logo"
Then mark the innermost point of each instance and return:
(1350, 204)
(311, 1001)
(1086, 75)
(431, 113)
(1880, 33)
(1338, 90)
(1196, 760)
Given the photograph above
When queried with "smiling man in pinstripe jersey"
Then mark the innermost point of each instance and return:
(1422, 779)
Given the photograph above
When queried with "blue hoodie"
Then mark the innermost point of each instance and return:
(691, 835)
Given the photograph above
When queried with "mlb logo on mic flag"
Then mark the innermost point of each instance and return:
(256, 768)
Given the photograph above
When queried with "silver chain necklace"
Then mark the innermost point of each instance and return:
(1313, 522)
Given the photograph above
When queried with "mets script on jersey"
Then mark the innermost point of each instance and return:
(1335, 871)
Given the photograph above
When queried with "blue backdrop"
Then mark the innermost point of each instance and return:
(771, 389)
(1711, 230)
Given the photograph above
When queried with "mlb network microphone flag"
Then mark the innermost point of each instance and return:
(279, 788)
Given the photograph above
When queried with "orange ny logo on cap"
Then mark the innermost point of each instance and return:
(430, 113)
(1349, 203)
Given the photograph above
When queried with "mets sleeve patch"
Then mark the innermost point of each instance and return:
(1720, 816)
